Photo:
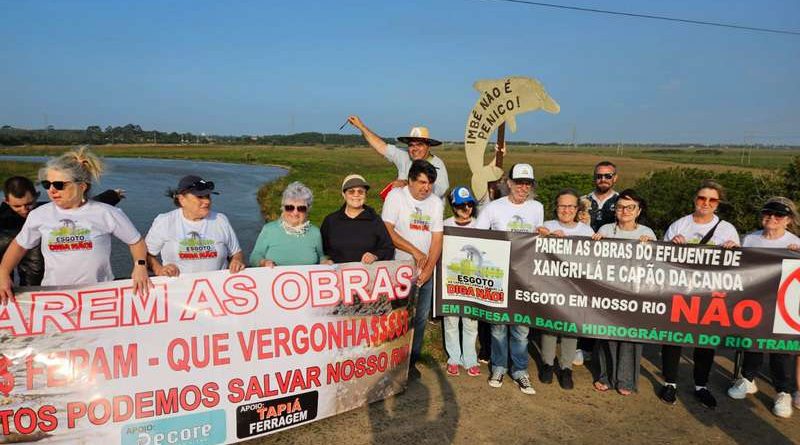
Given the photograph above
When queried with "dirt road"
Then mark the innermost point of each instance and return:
(438, 409)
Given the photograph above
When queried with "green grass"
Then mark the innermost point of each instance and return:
(13, 168)
(323, 168)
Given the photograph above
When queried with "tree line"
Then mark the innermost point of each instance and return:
(134, 134)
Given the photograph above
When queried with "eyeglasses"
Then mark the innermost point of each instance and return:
(706, 199)
(355, 191)
(466, 205)
(599, 176)
(776, 215)
(58, 185)
(627, 208)
(200, 185)
(290, 208)
(566, 206)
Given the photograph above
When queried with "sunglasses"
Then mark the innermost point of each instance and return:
(466, 205)
(708, 199)
(290, 208)
(58, 185)
(201, 185)
(355, 191)
(774, 214)
(599, 176)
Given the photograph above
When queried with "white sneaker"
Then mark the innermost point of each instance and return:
(783, 405)
(742, 388)
(525, 385)
(496, 379)
(796, 400)
(578, 360)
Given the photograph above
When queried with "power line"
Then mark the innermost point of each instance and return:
(653, 17)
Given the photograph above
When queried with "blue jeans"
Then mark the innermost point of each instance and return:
(423, 311)
(519, 349)
(461, 351)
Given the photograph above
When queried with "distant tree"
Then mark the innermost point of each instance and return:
(791, 179)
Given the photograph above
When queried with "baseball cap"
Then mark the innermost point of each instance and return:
(196, 186)
(461, 195)
(521, 172)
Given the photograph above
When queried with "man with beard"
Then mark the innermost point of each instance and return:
(603, 201)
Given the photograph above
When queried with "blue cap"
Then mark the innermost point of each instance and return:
(461, 195)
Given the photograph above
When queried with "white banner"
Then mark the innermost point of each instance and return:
(206, 358)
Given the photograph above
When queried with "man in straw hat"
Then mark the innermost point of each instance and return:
(419, 146)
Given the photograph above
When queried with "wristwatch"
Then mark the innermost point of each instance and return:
(141, 263)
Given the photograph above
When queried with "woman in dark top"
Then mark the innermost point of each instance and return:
(355, 232)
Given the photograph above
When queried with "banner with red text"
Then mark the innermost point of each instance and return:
(205, 359)
(652, 292)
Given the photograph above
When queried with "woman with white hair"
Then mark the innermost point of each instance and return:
(73, 231)
(779, 219)
(291, 239)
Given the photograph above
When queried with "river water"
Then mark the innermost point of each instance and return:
(145, 182)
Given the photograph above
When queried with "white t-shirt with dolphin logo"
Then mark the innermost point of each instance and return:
(414, 220)
(193, 246)
(76, 243)
(502, 214)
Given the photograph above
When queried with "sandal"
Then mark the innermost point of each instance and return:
(600, 386)
(624, 392)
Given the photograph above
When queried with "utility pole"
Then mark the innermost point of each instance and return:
(574, 136)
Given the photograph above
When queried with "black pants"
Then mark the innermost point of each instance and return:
(671, 357)
(586, 345)
(484, 340)
(780, 367)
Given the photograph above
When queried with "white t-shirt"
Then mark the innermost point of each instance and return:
(756, 239)
(76, 243)
(451, 222)
(502, 214)
(402, 161)
(612, 231)
(580, 229)
(414, 220)
(193, 246)
(694, 232)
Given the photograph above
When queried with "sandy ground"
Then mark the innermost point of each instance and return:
(439, 409)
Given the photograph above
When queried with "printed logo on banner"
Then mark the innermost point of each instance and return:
(475, 270)
(787, 305)
(207, 428)
(267, 416)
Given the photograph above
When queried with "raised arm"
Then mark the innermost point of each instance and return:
(373, 139)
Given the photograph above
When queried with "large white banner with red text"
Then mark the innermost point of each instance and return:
(204, 359)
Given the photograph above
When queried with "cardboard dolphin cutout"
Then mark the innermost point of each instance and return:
(499, 102)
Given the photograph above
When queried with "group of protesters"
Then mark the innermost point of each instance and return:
(74, 232)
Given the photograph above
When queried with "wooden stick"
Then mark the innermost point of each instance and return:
(494, 186)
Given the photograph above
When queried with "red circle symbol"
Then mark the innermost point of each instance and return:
(787, 317)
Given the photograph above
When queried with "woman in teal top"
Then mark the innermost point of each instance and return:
(291, 240)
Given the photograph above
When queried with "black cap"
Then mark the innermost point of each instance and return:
(777, 208)
(196, 186)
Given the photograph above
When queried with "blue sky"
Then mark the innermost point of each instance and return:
(253, 67)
